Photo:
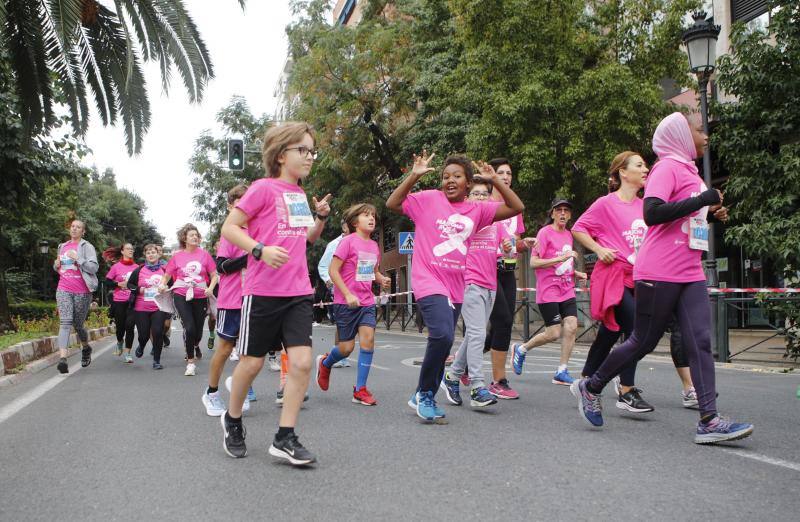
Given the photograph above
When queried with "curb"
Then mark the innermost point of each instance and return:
(42, 349)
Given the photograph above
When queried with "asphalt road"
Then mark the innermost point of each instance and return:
(122, 442)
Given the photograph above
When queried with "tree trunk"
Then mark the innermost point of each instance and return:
(5, 313)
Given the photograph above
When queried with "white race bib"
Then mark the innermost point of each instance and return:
(298, 210)
(150, 294)
(365, 270)
(698, 234)
(67, 263)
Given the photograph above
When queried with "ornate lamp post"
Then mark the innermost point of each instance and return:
(44, 249)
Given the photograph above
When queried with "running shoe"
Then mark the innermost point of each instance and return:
(214, 404)
(518, 358)
(502, 390)
(62, 366)
(426, 405)
(481, 397)
(191, 369)
(451, 389)
(721, 429)
(344, 363)
(246, 403)
(363, 396)
(210, 342)
(234, 355)
(289, 448)
(412, 402)
(617, 385)
(632, 401)
(563, 378)
(437, 411)
(251, 395)
(86, 356)
(128, 358)
(118, 349)
(158, 366)
(197, 353)
(689, 398)
(233, 434)
(323, 376)
(140, 351)
(166, 340)
(590, 407)
(274, 363)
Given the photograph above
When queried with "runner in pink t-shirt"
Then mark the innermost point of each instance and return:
(554, 263)
(121, 307)
(273, 222)
(353, 269)
(444, 224)
(669, 277)
(149, 319)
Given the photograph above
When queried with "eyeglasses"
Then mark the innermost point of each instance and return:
(479, 194)
(304, 151)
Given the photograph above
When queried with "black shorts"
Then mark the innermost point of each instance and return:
(269, 322)
(349, 319)
(228, 323)
(554, 313)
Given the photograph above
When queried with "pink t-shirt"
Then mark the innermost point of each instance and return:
(278, 215)
(359, 258)
(121, 272)
(665, 254)
(69, 275)
(194, 268)
(513, 226)
(148, 288)
(443, 231)
(616, 224)
(230, 285)
(482, 256)
(556, 283)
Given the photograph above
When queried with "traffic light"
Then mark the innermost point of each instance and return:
(236, 154)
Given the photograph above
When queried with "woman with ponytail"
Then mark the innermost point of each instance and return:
(117, 278)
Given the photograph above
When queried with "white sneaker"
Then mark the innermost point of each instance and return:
(617, 385)
(234, 356)
(689, 398)
(190, 369)
(344, 363)
(246, 405)
(214, 404)
(274, 364)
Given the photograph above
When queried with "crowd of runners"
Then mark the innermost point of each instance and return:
(257, 297)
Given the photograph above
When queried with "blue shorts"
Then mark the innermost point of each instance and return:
(228, 322)
(349, 319)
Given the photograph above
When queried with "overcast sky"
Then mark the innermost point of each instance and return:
(248, 50)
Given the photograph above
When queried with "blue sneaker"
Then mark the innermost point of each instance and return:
(589, 407)
(437, 411)
(412, 402)
(518, 358)
(480, 398)
(451, 389)
(720, 429)
(426, 406)
(563, 378)
(251, 395)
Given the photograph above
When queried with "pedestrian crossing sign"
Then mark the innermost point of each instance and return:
(406, 241)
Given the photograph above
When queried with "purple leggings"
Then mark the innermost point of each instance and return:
(655, 303)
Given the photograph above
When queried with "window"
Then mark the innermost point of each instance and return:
(746, 10)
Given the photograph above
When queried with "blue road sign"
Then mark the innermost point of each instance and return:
(406, 241)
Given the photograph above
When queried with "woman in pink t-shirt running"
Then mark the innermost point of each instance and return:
(121, 304)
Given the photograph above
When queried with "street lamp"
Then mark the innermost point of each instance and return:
(44, 249)
(701, 45)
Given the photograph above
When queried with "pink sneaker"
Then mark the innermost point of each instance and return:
(502, 390)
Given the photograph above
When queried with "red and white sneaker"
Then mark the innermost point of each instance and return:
(502, 390)
(363, 396)
(323, 373)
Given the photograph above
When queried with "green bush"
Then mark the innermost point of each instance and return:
(32, 310)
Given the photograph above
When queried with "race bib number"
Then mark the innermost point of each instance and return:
(150, 294)
(299, 213)
(365, 271)
(67, 263)
(698, 234)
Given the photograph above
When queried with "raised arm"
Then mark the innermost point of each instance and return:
(420, 168)
(511, 205)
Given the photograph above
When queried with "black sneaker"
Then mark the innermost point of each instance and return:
(62, 366)
(197, 353)
(633, 402)
(139, 351)
(289, 448)
(157, 366)
(233, 435)
(166, 341)
(86, 356)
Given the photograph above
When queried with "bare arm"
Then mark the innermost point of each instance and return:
(606, 255)
(272, 256)
(336, 277)
(395, 201)
(323, 210)
(536, 262)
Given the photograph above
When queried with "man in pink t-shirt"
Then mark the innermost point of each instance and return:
(554, 263)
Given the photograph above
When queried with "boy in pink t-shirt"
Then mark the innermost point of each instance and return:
(273, 223)
(444, 224)
(354, 267)
(554, 263)
(481, 286)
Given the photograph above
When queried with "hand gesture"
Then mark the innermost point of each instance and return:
(485, 172)
(606, 255)
(161, 289)
(530, 242)
(719, 212)
(322, 207)
(506, 246)
(352, 301)
(274, 256)
(72, 255)
(422, 164)
(386, 282)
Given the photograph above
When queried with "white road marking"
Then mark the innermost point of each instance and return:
(18, 404)
(794, 466)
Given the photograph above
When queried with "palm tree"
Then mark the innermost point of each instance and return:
(68, 51)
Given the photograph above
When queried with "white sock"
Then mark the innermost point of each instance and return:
(562, 368)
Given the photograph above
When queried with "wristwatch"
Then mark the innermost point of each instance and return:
(257, 250)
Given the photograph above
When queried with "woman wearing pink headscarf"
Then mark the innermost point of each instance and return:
(669, 277)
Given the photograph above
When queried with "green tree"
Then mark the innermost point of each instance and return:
(93, 53)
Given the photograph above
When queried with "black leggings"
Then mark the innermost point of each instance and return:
(501, 320)
(624, 313)
(151, 325)
(125, 322)
(193, 315)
